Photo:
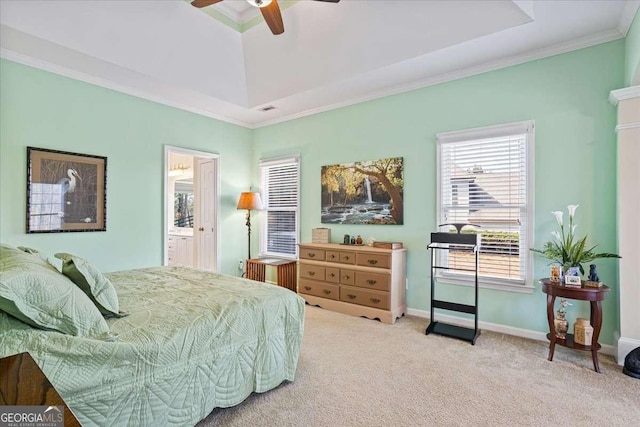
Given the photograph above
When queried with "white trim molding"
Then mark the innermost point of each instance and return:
(618, 95)
(627, 126)
(498, 64)
(628, 14)
(502, 329)
(625, 345)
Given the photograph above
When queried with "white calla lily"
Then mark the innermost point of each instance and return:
(558, 215)
(572, 210)
(568, 250)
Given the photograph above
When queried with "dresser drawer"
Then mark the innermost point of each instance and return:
(311, 272)
(319, 289)
(332, 274)
(375, 260)
(347, 277)
(347, 257)
(314, 254)
(377, 281)
(332, 256)
(376, 299)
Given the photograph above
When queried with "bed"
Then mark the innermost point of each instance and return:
(192, 341)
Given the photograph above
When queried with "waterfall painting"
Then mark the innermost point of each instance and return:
(363, 192)
(65, 191)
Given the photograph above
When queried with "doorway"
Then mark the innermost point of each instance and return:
(191, 206)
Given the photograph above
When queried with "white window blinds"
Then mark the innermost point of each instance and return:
(280, 184)
(484, 179)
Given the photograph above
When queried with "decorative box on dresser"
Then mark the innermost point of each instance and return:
(356, 280)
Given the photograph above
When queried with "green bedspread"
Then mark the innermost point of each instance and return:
(193, 341)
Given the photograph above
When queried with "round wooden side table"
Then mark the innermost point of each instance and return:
(594, 295)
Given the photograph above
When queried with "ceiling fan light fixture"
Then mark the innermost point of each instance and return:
(259, 3)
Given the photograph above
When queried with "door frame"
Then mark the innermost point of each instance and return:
(165, 222)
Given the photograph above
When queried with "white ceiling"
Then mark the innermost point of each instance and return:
(329, 56)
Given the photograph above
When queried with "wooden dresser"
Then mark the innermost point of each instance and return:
(356, 280)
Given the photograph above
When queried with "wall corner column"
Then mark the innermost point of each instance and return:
(628, 200)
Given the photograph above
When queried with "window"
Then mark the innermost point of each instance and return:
(485, 178)
(47, 207)
(280, 184)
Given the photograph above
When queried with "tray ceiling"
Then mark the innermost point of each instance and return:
(330, 54)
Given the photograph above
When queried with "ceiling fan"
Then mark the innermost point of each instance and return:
(269, 8)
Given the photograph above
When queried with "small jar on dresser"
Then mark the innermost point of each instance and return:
(356, 280)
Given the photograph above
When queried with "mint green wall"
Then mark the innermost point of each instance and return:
(566, 95)
(632, 52)
(45, 110)
(575, 162)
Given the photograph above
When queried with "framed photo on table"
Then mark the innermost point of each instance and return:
(572, 280)
(65, 191)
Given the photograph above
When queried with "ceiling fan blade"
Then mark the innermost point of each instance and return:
(204, 3)
(273, 18)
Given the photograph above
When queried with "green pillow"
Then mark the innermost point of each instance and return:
(36, 293)
(38, 254)
(29, 250)
(92, 282)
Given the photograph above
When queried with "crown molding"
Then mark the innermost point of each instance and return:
(561, 48)
(628, 14)
(108, 84)
(228, 11)
(546, 52)
(627, 126)
(618, 95)
(239, 18)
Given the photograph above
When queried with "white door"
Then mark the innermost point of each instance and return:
(206, 232)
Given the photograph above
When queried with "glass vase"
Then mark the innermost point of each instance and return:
(561, 325)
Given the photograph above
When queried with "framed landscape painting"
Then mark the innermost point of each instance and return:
(65, 191)
(363, 192)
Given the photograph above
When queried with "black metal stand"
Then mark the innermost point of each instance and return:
(458, 241)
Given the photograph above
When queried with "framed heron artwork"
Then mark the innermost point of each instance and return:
(65, 191)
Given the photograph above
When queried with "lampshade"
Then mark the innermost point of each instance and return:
(250, 201)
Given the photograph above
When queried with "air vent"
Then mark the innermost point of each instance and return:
(267, 108)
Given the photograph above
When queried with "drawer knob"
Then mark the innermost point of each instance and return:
(351, 296)
(372, 261)
(332, 275)
(308, 288)
(346, 277)
(346, 257)
(327, 291)
(311, 254)
(372, 282)
(375, 300)
(312, 273)
(333, 256)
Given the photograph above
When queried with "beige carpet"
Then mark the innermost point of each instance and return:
(359, 372)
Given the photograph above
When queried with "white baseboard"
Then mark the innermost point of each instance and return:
(625, 345)
(503, 329)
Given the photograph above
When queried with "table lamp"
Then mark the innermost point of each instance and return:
(249, 201)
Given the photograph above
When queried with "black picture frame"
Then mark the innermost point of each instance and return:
(66, 192)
